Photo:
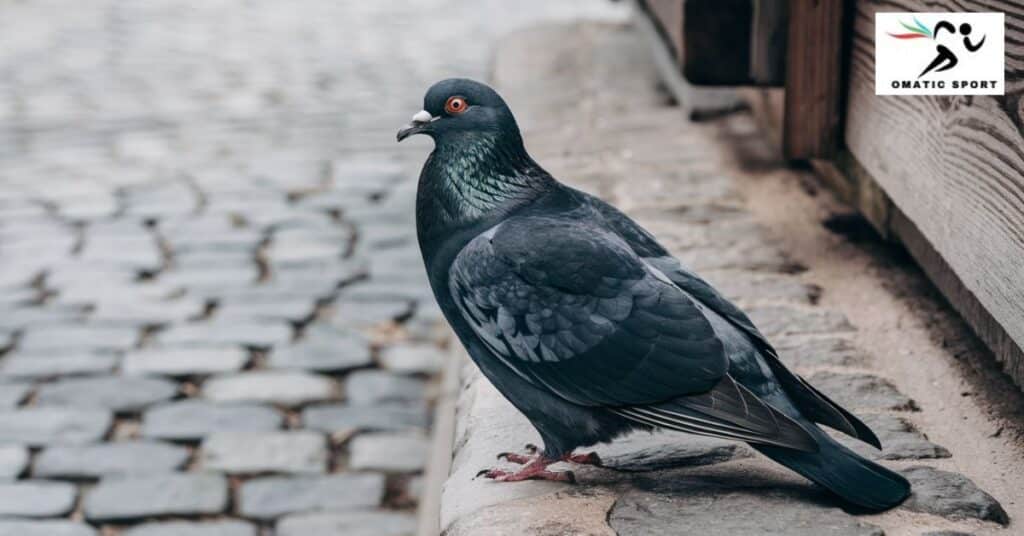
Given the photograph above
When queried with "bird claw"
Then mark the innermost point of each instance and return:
(538, 472)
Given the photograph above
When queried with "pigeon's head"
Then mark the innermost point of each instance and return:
(461, 106)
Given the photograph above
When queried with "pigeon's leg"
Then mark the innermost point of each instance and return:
(535, 470)
(587, 458)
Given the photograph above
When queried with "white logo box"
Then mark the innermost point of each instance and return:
(907, 44)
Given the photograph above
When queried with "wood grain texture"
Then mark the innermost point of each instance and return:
(954, 167)
(813, 78)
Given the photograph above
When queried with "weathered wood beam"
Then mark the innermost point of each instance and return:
(814, 81)
(724, 42)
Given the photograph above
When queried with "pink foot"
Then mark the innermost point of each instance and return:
(535, 470)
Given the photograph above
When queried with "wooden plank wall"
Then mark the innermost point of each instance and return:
(954, 166)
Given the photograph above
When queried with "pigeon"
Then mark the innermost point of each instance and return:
(590, 328)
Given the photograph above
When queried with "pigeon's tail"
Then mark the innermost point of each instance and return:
(855, 479)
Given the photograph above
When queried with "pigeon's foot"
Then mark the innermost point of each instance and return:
(589, 458)
(536, 469)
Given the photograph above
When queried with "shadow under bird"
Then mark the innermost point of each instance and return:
(589, 327)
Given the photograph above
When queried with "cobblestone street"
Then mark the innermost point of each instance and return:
(213, 315)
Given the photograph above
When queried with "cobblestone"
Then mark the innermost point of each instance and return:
(36, 498)
(348, 524)
(862, 391)
(367, 387)
(334, 418)
(47, 527)
(124, 498)
(324, 349)
(13, 461)
(951, 495)
(397, 452)
(13, 393)
(120, 394)
(264, 452)
(53, 426)
(109, 459)
(278, 387)
(188, 361)
(195, 419)
(43, 365)
(269, 498)
(412, 358)
(225, 527)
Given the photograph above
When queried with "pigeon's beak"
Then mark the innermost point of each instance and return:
(420, 122)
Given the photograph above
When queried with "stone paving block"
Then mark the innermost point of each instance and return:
(40, 426)
(272, 497)
(322, 277)
(301, 252)
(950, 495)
(13, 394)
(335, 418)
(779, 320)
(412, 358)
(325, 349)
(348, 524)
(209, 280)
(900, 440)
(14, 318)
(184, 361)
(13, 461)
(77, 337)
(118, 393)
(36, 498)
(195, 419)
(46, 364)
(279, 387)
(385, 290)
(283, 308)
(350, 314)
(395, 452)
(251, 333)
(213, 527)
(44, 527)
(366, 387)
(862, 391)
(829, 351)
(203, 528)
(261, 452)
(179, 494)
(137, 252)
(132, 312)
(728, 510)
(105, 459)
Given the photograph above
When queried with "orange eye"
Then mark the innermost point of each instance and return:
(455, 105)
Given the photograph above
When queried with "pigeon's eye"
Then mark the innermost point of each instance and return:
(455, 105)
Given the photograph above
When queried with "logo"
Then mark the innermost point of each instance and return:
(939, 54)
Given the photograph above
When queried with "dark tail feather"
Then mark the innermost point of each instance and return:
(855, 479)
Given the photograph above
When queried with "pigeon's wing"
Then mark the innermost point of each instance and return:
(572, 309)
(812, 403)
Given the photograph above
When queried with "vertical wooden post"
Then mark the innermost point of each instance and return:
(811, 121)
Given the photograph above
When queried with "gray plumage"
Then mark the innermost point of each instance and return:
(589, 327)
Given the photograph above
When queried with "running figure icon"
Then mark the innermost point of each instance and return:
(945, 59)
